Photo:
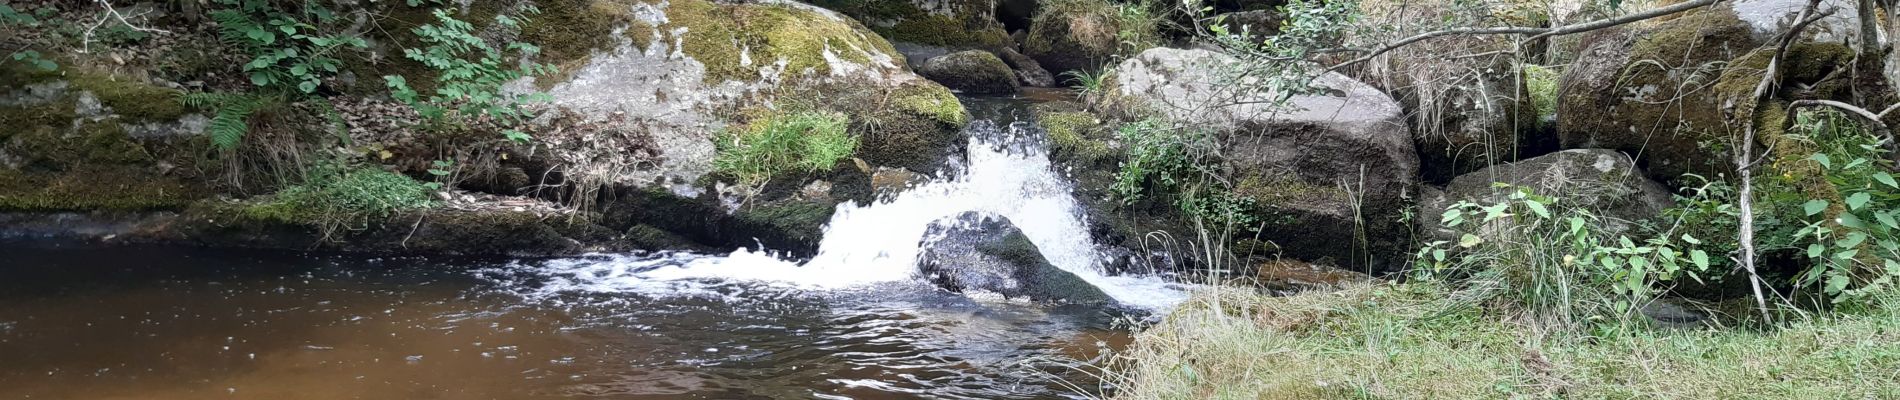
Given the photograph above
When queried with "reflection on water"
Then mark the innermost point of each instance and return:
(166, 323)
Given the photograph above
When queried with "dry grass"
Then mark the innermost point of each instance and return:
(1412, 340)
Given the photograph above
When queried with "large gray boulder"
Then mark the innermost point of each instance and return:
(1664, 93)
(1305, 166)
(984, 252)
(972, 71)
(1604, 182)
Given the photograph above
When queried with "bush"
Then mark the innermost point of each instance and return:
(800, 142)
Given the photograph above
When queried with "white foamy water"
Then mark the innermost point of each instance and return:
(1006, 172)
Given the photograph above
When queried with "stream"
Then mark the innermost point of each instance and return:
(854, 321)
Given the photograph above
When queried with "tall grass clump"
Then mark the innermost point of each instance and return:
(801, 142)
(335, 196)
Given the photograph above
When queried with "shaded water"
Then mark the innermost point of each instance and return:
(168, 323)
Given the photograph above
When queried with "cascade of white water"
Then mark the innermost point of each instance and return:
(1007, 172)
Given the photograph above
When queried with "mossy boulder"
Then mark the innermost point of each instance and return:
(1666, 93)
(1330, 176)
(952, 24)
(682, 70)
(84, 141)
(1083, 35)
(972, 71)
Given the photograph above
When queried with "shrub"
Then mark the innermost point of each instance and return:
(800, 142)
(472, 72)
(1547, 259)
(1542, 83)
(1852, 241)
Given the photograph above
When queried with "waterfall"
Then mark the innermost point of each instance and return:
(1006, 171)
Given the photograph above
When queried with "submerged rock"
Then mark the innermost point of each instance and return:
(972, 71)
(1028, 71)
(983, 252)
(1328, 177)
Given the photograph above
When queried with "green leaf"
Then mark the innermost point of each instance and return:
(1814, 206)
(307, 86)
(1690, 239)
(1700, 258)
(1837, 283)
(1858, 200)
(1823, 159)
(1886, 179)
(517, 136)
(1816, 250)
(1469, 240)
(260, 78)
(1537, 208)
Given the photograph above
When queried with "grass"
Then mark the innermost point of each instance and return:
(1416, 340)
(799, 142)
(333, 198)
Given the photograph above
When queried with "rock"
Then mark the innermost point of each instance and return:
(972, 71)
(1079, 36)
(675, 67)
(952, 24)
(1304, 168)
(1293, 276)
(1669, 313)
(985, 252)
(1028, 71)
(1467, 112)
(1662, 93)
(1258, 24)
(1605, 182)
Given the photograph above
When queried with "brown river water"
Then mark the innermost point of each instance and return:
(91, 322)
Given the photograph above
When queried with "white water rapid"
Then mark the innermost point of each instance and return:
(1006, 171)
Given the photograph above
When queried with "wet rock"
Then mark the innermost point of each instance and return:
(1603, 181)
(1293, 276)
(972, 71)
(1304, 168)
(986, 253)
(1028, 71)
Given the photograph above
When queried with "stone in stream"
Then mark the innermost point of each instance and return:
(972, 71)
(977, 251)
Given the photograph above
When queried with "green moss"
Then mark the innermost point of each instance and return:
(569, 32)
(932, 101)
(968, 25)
(1077, 135)
(718, 34)
(93, 187)
(132, 100)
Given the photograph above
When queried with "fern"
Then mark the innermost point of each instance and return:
(234, 110)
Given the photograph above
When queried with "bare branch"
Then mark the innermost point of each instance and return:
(1745, 201)
(112, 14)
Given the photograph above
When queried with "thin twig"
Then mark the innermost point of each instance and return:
(1745, 200)
(85, 44)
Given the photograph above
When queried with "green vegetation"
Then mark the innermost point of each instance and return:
(769, 33)
(9, 18)
(800, 142)
(470, 75)
(1541, 83)
(336, 196)
(1553, 261)
(1426, 340)
(287, 48)
(1178, 163)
